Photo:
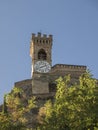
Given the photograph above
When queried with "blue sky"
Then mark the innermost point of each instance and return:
(73, 24)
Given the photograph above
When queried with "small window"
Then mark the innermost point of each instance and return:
(42, 55)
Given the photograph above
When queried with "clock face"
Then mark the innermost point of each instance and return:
(42, 66)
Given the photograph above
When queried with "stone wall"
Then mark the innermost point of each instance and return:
(40, 82)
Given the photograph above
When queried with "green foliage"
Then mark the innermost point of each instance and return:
(74, 108)
(6, 123)
(16, 106)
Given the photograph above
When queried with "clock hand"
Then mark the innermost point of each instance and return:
(42, 66)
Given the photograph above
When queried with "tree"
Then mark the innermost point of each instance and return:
(16, 106)
(75, 107)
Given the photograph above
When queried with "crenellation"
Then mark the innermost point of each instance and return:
(69, 66)
(41, 38)
(44, 36)
(39, 34)
(33, 35)
(50, 36)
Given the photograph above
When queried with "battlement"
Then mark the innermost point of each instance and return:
(69, 67)
(39, 35)
(39, 38)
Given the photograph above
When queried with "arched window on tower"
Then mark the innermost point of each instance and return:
(42, 54)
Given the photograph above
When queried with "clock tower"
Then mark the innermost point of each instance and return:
(41, 57)
(40, 52)
(43, 74)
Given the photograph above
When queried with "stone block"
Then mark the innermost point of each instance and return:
(40, 87)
